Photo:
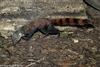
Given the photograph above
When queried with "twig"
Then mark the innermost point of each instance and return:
(35, 62)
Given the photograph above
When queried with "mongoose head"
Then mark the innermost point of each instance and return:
(17, 36)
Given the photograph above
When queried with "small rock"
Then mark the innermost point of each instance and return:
(75, 40)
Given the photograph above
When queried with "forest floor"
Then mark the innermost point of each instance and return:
(77, 48)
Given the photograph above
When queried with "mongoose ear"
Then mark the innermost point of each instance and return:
(16, 37)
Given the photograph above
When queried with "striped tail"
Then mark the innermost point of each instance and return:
(71, 22)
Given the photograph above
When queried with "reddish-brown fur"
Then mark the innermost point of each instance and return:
(81, 22)
(70, 21)
(37, 23)
(44, 22)
(64, 20)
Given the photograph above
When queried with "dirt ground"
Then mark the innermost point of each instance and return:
(81, 48)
